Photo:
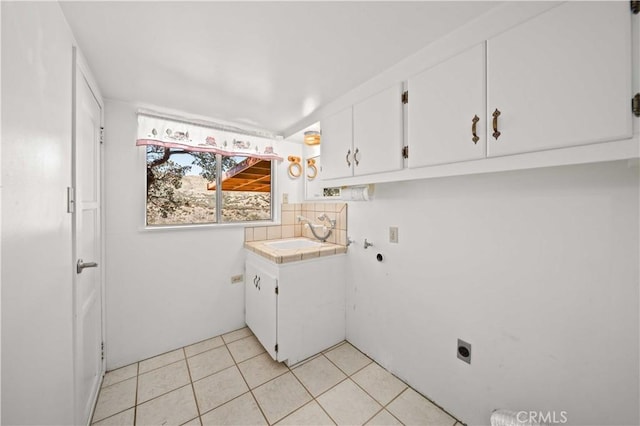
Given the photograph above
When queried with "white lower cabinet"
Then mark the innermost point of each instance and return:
(295, 309)
(261, 305)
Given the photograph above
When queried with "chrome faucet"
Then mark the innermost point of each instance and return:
(313, 226)
(324, 217)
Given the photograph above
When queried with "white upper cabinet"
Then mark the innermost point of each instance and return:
(377, 133)
(364, 139)
(447, 110)
(337, 145)
(561, 79)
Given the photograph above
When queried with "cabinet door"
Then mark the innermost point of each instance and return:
(377, 133)
(261, 306)
(444, 101)
(561, 79)
(337, 140)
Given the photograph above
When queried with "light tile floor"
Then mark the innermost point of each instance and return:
(231, 380)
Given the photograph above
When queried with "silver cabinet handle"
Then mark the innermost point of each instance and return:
(81, 265)
(347, 158)
(355, 156)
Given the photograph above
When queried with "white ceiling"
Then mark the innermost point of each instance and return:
(266, 65)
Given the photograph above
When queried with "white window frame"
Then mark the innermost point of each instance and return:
(266, 222)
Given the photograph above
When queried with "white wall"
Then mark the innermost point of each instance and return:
(37, 363)
(537, 269)
(165, 288)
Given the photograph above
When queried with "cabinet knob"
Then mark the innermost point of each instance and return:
(355, 156)
(496, 133)
(474, 121)
(347, 158)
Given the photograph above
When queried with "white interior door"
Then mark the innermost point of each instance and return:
(89, 364)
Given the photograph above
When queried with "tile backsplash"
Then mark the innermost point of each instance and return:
(290, 227)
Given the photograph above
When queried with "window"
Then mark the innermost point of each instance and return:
(200, 175)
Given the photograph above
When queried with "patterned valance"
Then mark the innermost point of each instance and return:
(196, 138)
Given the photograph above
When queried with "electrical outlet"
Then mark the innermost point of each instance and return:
(285, 198)
(235, 279)
(464, 351)
(393, 234)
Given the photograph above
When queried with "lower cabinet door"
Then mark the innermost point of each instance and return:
(261, 306)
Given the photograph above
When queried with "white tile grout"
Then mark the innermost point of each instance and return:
(288, 370)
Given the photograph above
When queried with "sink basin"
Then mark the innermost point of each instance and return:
(293, 244)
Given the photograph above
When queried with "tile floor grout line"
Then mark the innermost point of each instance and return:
(198, 353)
(259, 407)
(103, 386)
(242, 338)
(324, 409)
(304, 405)
(234, 358)
(156, 369)
(369, 395)
(344, 372)
(193, 389)
(392, 415)
(327, 390)
(407, 384)
(111, 415)
(289, 370)
(135, 402)
(372, 417)
(224, 403)
(350, 377)
(237, 329)
(337, 345)
(428, 399)
(313, 398)
(384, 406)
(165, 393)
(244, 360)
(395, 397)
(236, 364)
(247, 383)
(218, 371)
(304, 361)
(153, 357)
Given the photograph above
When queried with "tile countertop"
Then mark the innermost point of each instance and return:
(293, 255)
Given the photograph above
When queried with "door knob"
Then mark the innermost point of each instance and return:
(81, 265)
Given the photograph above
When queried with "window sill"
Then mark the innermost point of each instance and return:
(202, 226)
